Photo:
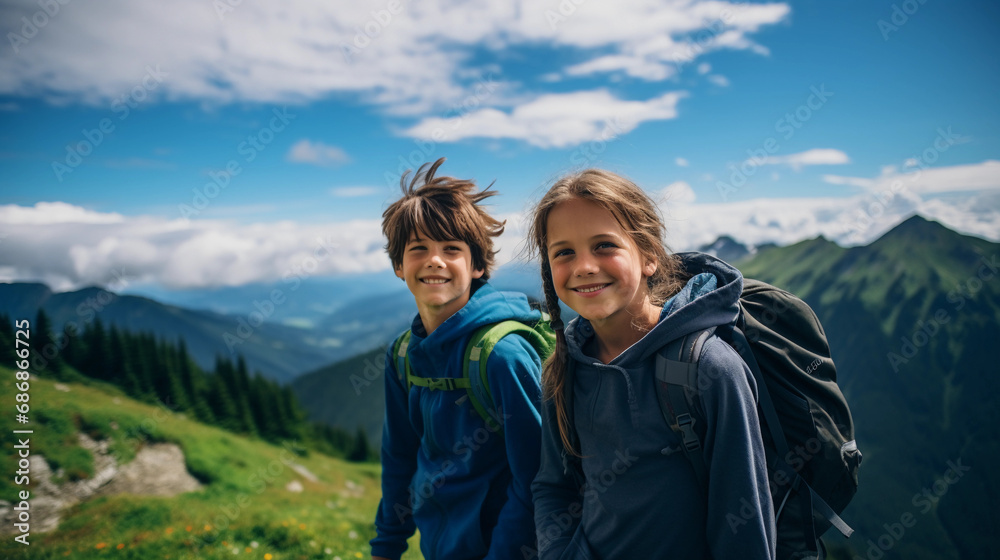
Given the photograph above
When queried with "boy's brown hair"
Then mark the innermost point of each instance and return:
(442, 208)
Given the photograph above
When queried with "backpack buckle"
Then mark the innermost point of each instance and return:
(685, 424)
(441, 384)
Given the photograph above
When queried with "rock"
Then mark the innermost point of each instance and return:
(158, 469)
(304, 472)
(294, 486)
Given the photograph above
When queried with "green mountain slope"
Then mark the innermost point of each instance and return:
(348, 394)
(913, 320)
(244, 509)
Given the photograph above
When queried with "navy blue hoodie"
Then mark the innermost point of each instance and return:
(466, 488)
(640, 498)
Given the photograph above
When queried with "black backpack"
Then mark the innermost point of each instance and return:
(806, 425)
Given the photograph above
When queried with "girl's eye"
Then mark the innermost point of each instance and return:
(606, 245)
(562, 252)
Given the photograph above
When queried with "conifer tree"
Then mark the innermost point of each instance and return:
(231, 376)
(117, 358)
(361, 451)
(221, 403)
(142, 349)
(8, 350)
(292, 416)
(73, 352)
(192, 380)
(242, 397)
(97, 351)
(44, 350)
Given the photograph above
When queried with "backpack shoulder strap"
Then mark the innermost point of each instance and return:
(401, 363)
(676, 389)
(474, 367)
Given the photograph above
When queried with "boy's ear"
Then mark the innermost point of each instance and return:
(399, 272)
(478, 273)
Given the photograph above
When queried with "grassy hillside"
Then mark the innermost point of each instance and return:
(243, 510)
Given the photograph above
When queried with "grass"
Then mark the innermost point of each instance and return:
(244, 509)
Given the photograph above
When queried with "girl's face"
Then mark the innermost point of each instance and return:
(596, 268)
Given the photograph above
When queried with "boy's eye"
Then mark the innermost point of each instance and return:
(417, 248)
(606, 245)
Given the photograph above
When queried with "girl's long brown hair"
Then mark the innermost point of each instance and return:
(639, 217)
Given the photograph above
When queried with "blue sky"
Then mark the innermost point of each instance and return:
(765, 121)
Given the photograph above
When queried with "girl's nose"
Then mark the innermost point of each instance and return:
(585, 266)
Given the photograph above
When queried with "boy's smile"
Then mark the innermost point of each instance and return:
(439, 274)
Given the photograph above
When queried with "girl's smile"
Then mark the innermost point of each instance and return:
(597, 269)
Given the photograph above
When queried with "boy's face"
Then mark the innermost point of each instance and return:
(439, 274)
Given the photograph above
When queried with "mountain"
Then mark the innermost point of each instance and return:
(726, 248)
(912, 321)
(306, 300)
(348, 394)
(279, 352)
(730, 250)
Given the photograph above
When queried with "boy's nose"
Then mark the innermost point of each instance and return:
(435, 261)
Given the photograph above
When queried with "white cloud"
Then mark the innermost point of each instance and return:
(318, 153)
(54, 214)
(553, 120)
(409, 61)
(704, 68)
(677, 192)
(971, 177)
(637, 67)
(652, 40)
(856, 220)
(681, 162)
(719, 80)
(808, 157)
(68, 247)
(351, 192)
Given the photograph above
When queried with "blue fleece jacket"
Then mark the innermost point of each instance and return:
(443, 471)
(640, 497)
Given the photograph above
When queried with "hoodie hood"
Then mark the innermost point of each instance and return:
(709, 299)
(486, 306)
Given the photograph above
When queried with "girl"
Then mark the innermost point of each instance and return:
(612, 482)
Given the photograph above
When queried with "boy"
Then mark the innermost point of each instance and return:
(465, 485)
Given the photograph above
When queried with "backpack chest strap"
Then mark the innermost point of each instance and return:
(440, 383)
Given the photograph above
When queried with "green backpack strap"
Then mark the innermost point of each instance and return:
(474, 367)
(475, 379)
(401, 362)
